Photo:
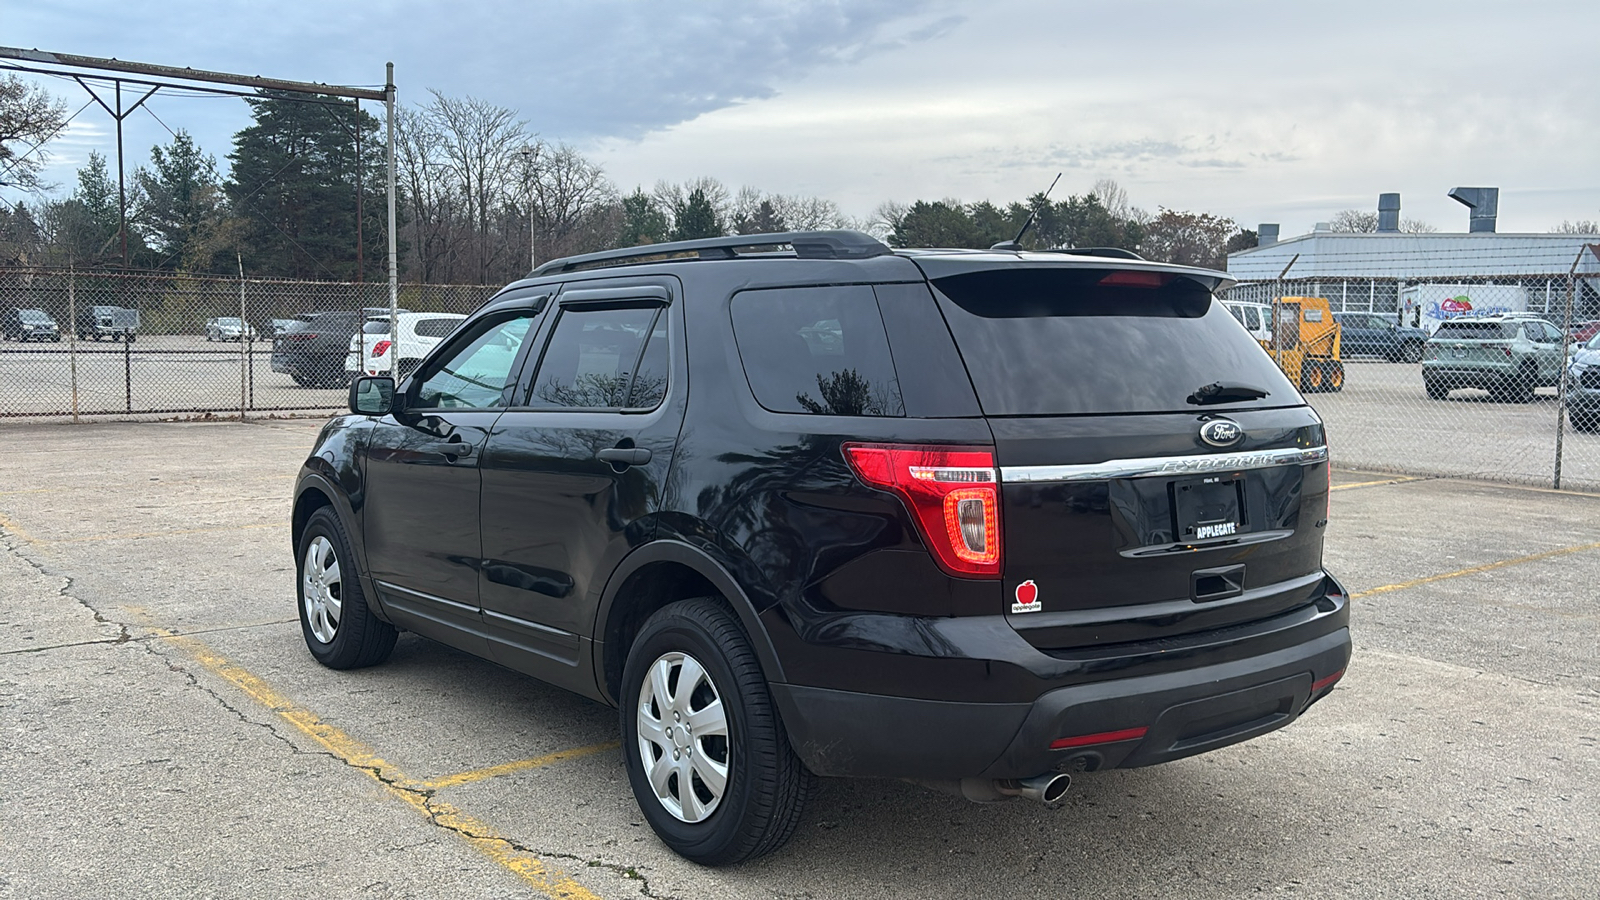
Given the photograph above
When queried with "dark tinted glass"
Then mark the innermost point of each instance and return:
(436, 328)
(476, 374)
(817, 350)
(1476, 331)
(375, 326)
(1056, 342)
(590, 360)
(650, 382)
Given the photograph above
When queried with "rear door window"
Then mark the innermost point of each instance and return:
(592, 358)
(820, 350)
(436, 328)
(1071, 341)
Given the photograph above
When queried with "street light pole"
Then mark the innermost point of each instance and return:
(528, 154)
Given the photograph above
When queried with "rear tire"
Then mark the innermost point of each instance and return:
(340, 629)
(1516, 388)
(1335, 380)
(763, 792)
(1312, 377)
(1411, 352)
(1588, 423)
(1437, 388)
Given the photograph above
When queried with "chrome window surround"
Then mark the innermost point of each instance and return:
(1159, 466)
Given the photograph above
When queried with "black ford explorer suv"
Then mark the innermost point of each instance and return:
(802, 505)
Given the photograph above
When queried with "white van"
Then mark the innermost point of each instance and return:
(1255, 317)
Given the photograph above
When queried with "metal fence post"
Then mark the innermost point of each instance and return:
(244, 331)
(1561, 384)
(127, 367)
(72, 338)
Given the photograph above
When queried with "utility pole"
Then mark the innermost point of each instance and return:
(394, 261)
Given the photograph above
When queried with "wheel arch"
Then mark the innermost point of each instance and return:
(648, 579)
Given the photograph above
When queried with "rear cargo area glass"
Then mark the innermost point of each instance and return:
(1055, 341)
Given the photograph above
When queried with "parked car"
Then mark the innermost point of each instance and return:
(29, 325)
(985, 520)
(1582, 332)
(229, 328)
(1507, 354)
(372, 350)
(1583, 387)
(1255, 317)
(312, 351)
(115, 322)
(1379, 334)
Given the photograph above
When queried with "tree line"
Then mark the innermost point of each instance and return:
(303, 196)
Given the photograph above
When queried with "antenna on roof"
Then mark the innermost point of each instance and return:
(1014, 244)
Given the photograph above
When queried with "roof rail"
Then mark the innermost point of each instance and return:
(838, 244)
(1111, 252)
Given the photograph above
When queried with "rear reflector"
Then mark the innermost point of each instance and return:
(1319, 685)
(953, 494)
(1104, 737)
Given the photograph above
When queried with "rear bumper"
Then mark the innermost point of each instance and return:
(1124, 722)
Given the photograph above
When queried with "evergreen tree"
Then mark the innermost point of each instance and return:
(294, 184)
(181, 198)
(697, 218)
(643, 222)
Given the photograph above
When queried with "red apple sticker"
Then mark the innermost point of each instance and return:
(1027, 598)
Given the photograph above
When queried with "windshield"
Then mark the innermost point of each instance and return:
(227, 322)
(33, 315)
(1057, 341)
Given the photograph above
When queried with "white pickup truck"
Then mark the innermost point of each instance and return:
(371, 349)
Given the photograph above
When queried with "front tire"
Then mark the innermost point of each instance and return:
(727, 787)
(1411, 352)
(339, 627)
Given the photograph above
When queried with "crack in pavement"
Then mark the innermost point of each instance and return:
(64, 590)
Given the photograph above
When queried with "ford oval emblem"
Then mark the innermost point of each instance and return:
(1221, 432)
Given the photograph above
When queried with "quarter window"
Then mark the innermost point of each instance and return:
(817, 350)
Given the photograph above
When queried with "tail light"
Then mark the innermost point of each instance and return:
(302, 336)
(1506, 351)
(379, 349)
(953, 494)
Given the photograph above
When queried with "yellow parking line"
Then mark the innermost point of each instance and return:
(1534, 557)
(13, 528)
(479, 834)
(1399, 479)
(521, 765)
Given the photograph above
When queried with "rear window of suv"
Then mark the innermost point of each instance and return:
(1059, 341)
(1476, 331)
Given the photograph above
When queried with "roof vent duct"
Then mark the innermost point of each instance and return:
(1484, 203)
(1389, 213)
(1266, 235)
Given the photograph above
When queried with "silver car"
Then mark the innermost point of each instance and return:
(1583, 387)
(229, 328)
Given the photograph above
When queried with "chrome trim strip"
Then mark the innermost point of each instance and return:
(1159, 466)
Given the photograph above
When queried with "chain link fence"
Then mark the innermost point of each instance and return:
(1420, 378)
(1487, 377)
(107, 344)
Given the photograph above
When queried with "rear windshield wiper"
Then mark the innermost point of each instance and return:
(1219, 392)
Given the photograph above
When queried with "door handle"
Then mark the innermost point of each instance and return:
(625, 456)
(456, 448)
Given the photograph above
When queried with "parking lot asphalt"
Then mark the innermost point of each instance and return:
(167, 735)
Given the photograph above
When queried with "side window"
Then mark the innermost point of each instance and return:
(816, 350)
(1238, 313)
(1252, 318)
(476, 375)
(593, 355)
(436, 328)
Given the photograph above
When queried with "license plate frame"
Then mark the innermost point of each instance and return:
(1208, 508)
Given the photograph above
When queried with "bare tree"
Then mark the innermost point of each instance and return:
(479, 143)
(1354, 221)
(29, 117)
(1582, 226)
(572, 196)
(1112, 196)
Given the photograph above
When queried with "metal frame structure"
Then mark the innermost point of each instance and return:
(29, 61)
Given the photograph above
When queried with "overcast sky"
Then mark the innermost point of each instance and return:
(1263, 112)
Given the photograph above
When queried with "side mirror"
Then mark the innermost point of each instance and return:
(372, 395)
